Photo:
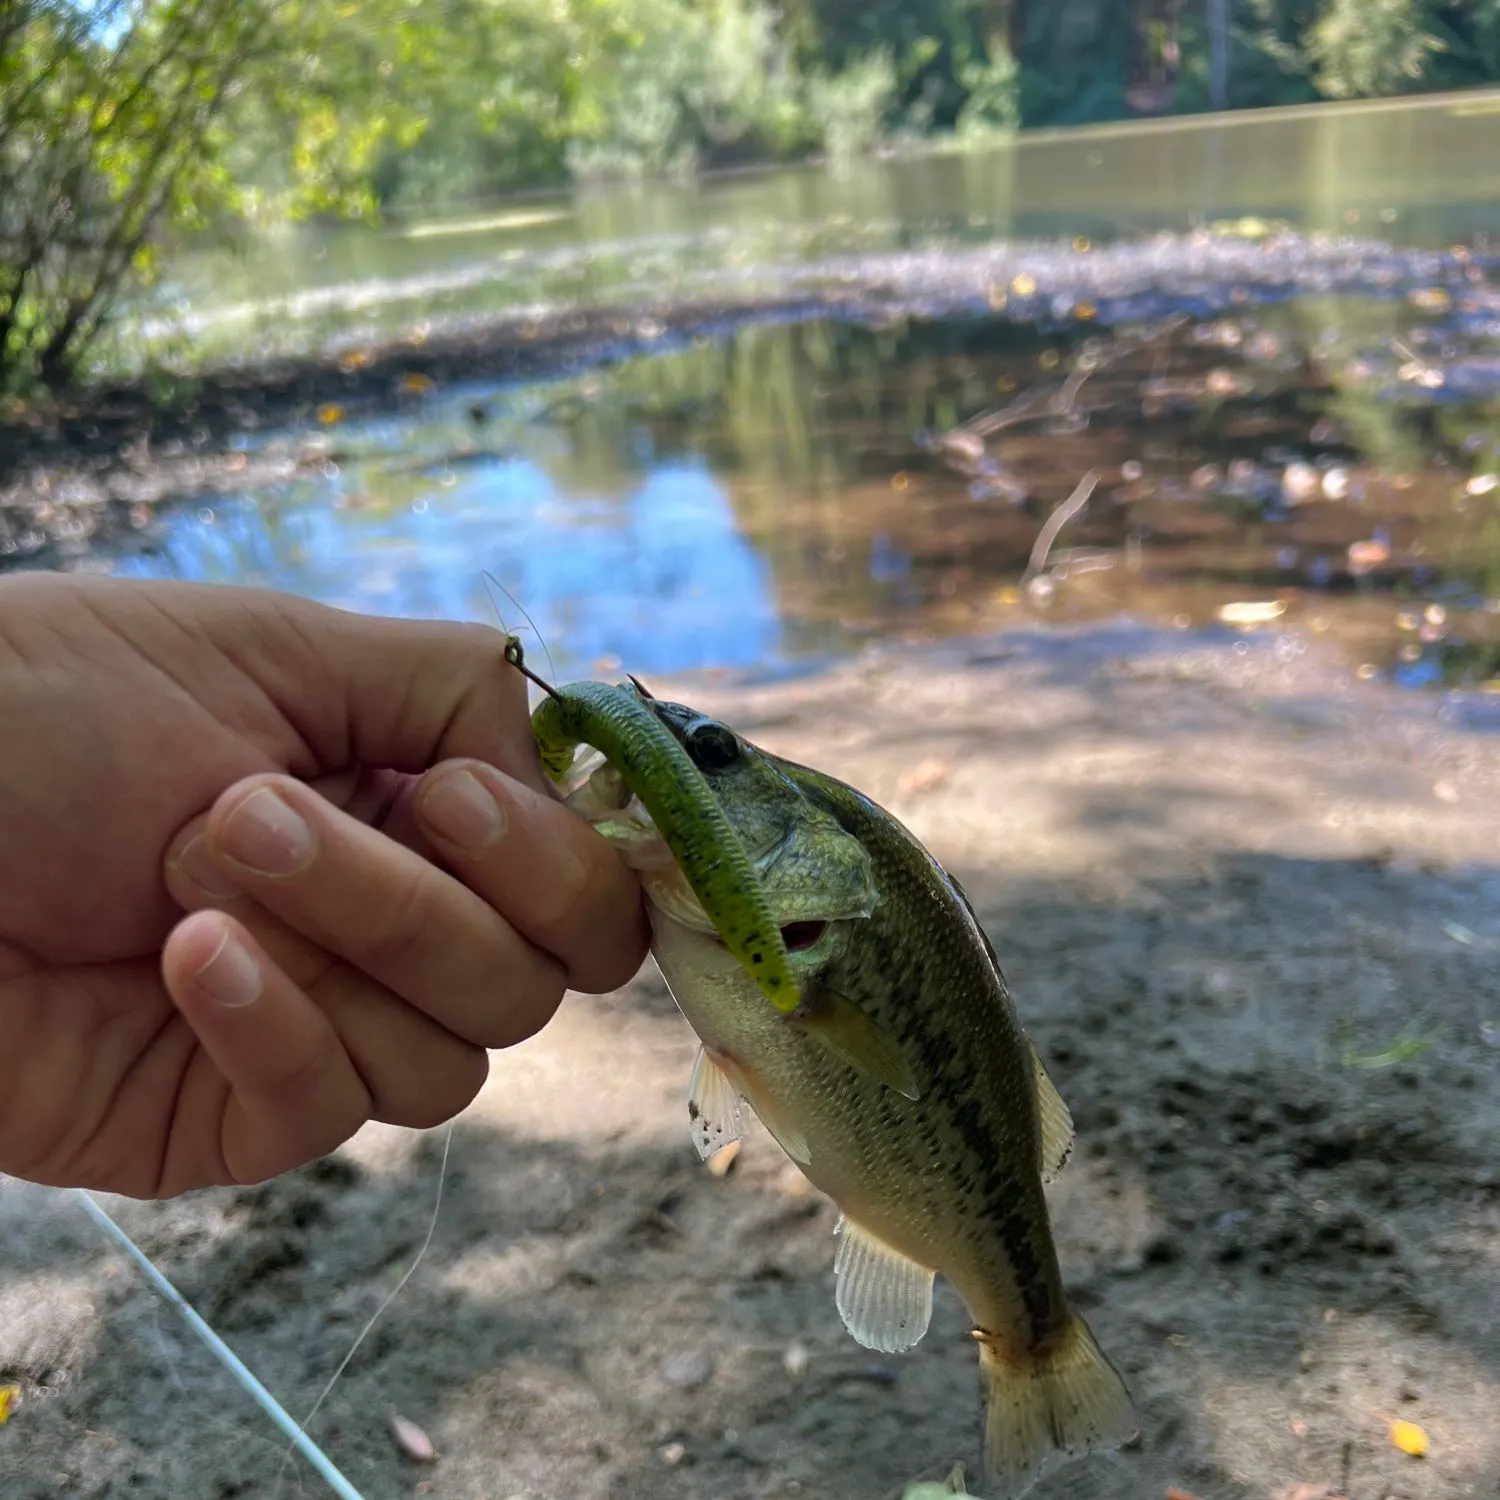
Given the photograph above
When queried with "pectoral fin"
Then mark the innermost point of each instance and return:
(716, 1108)
(713, 1107)
(841, 1026)
(1055, 1121)
(884, 1299)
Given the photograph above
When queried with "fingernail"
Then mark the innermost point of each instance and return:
(266, 836)
(195, 865)
(231, 976)
(460, 808)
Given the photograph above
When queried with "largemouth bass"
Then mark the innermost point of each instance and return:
(902, 1083)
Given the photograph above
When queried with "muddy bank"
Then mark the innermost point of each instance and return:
(1033, 285)
(1222, 885)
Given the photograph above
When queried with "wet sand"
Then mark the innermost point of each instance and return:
(1214, 877)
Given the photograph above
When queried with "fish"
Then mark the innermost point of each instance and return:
(902, 1083)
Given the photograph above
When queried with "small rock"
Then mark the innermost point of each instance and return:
(671, 1454)
(411, 1440)
(688, 1369)
(795, 1359)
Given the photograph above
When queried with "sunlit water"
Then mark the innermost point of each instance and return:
(1324, 467)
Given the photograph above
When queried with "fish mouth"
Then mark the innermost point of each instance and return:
(802, 914)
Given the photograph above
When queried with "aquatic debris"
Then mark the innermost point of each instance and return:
(417, 385)
(1366, 556)
(1251, 611)
(411, 1440)
(8, 1395)
(795, 1359)
(1408, 1043)
(1301, 483)
(1056, 521)
(330, 413)
(1408, 1437)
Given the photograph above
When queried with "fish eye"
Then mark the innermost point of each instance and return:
(711, 745)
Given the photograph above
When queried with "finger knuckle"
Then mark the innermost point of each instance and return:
(401, 926)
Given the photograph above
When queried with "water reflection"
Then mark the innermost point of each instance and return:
(1327, 466)
(658, 577)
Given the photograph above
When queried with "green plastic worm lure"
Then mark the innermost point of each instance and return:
(619, 723)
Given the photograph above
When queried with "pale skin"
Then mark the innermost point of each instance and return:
(268, 871)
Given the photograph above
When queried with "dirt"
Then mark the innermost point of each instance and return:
(1220, 876)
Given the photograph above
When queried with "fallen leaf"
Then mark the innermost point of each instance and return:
(1308, 1492)
(928, 774)
(330, 413)
(1173, 1493)
(1252, 611)
(416, 385)
(411, 1440)
(1366, 556)
(1408, 1437)
(723, 1159)
(8, 1394)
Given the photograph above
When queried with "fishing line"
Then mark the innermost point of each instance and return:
(437, 1204)
(300, 1442)
(495, 583)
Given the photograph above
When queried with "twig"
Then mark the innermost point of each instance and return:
(1056, 521)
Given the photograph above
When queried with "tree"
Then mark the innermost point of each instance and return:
(1363, 47)
(104, 114)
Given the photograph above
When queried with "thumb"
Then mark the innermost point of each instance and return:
(399, 694)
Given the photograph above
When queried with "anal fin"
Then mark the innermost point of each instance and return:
(1055, 1121)
(714, 1107)
(884, 1299)
(841, 1026)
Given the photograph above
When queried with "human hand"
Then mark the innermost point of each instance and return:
(309, 786)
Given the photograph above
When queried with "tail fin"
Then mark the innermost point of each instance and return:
(1041, 1407)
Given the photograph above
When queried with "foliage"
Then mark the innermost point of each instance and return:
(99, 142)
(1370, 47)
(126, 123)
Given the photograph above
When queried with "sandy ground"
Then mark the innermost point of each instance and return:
(1207, 872)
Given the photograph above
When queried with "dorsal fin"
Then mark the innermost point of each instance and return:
(1053, 1117)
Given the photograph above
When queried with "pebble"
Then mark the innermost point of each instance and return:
(688, 1369)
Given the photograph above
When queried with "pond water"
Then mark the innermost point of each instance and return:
(1320, 465)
